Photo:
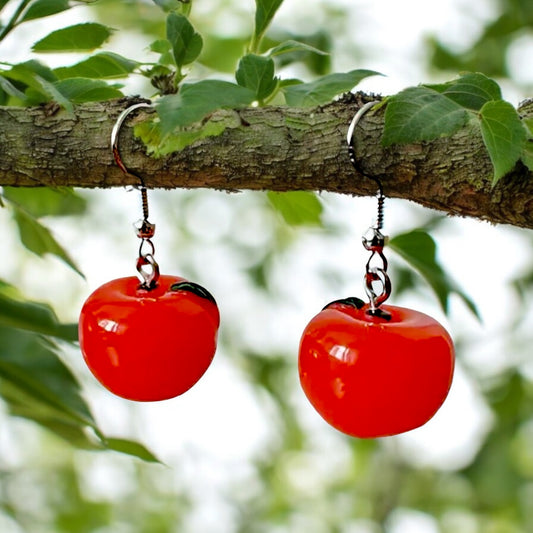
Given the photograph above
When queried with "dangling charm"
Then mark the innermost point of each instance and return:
(152, 339)
(374, 370)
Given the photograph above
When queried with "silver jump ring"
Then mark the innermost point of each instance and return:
(146, 248)
(377, 275)
(150, 278)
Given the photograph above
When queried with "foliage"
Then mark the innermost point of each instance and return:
(416, 114)
(363, 483)
(489, 50)
(183, 103)
(425, 113)
(419, 249)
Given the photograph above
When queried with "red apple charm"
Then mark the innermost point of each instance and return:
(149, 345)
(374, 375)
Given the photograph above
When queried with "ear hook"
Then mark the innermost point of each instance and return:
(373, 240)
(351, 152)
(145, 230)
(114, 137)
(118, 159)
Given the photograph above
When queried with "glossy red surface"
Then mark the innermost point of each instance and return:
(369, 377)
(147, 345)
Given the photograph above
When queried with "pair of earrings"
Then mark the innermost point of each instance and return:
(370, 370)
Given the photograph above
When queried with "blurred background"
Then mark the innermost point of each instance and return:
(243, 451)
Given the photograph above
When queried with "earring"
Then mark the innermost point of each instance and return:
(150, 338)
(374, 370)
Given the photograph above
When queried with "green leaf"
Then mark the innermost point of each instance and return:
(36, 385)
(527, 153)
(10, 89)
(32, 316)
(29, 363)
(287, 82)
(421, 114)
(323, 90)
(264, 13)
(159, 145)
(287, 47)
(131, 448)
(298, 208)
(38, 239)
(80, 90)
(257, 74)
(470, 91)
(504, 136)
(40, 79)
(186, 42)
(528, 123)
(23, 72)
(195, 100)
(44, 8)
(45, 201)
(419, 250)
(221, 53)
(161, 46)
(50, 91)
(4, 97)
(167, 5)
(78, 38)
(105, 65)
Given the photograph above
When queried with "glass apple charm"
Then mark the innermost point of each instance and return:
(374, 370)
(151, 338)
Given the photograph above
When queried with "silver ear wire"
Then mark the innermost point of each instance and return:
(145, 229)
(115, 133)
(373, 240)
(351, 152)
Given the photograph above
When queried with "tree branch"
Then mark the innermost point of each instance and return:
(270, 148)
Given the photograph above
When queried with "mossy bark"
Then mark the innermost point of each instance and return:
(270, 148)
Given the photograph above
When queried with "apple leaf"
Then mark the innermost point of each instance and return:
(80, 90)
(83, 37)
(420, 251)
(40, 80)
(471, 91)
(130, 448)
(264, 13)
(37, 376)
(186, 42)
(504, 136)
(287, 47)
(324, 89)
(10, 89)
(421, 114)
(257, 74)
(105, 65)
(37, 385)
(196, 100)
(38, 239)
(19, 313)
(44, 8)
(298, 208)
(46, 201)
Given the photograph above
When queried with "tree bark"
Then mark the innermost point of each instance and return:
(270, 148)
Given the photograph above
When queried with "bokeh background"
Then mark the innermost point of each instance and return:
(243, 451)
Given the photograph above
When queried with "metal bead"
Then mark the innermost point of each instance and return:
(374, 240)
(144, 229)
